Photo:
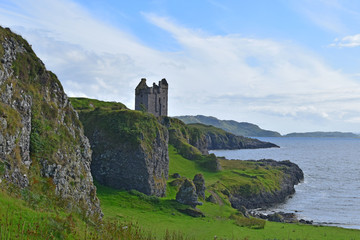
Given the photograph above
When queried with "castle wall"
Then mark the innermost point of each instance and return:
(142, 101)
(154, 99)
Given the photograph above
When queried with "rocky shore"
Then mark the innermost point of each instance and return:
(292, 175)
(279, 217)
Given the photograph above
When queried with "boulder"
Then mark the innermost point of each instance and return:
(211, 199)
(177, 182)
(244, 211)
(187, 194)
(176, 175)
(276, 217)
(199, 183)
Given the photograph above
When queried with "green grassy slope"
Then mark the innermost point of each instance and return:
(19, 220)
(132, 215)
(159, 215)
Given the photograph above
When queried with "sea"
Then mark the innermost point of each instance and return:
(330, 192)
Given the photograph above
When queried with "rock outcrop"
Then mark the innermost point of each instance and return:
(130, 148)
(193, 140)
(41, 138)
(291, 176)
(212, 138)
(199, 183)
(187, 194)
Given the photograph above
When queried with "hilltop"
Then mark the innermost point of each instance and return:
(237, 128)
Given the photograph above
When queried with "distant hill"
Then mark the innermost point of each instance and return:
(324, 134)
(237, 128)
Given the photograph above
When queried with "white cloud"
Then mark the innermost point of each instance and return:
(347, 41)
(210, 74)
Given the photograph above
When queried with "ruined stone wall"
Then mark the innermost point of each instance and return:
(152, 99)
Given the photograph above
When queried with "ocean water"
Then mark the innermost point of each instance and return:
(330, 193)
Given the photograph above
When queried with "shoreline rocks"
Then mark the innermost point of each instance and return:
(282, 217)
(292, 176)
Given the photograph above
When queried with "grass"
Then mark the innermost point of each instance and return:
(161, 215)
(132, 215)
(87, 104)
(117, 124)
(244, 176)
(33, 213)
(18, 220)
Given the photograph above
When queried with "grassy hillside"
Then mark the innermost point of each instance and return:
(237, 128)
(161, 216)
(132, 215)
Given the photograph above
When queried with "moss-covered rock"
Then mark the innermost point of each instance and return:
(180, 138)
(130, 148)
(42, 146)
(211, 138)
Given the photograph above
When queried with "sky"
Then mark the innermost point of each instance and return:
(285, 65)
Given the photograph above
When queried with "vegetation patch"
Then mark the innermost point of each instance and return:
(254, 223)
(87, 104)
(163, 216)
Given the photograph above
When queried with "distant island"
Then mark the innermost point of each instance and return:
(238, 128)
(324, 134)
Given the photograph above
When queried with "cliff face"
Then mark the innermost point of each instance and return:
(216, 138)
(181, 139)
(130, 148)
(41, 139)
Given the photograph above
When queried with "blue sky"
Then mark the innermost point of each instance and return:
(284, 65)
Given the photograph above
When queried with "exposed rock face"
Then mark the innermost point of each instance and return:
(187, 194)
(40, 130)
(292, 176)
(231, 141)
(20, 109)
(206, 137)
(193, 140)
(211, 199)
(130, 149)
(199, 183)
(122, 168)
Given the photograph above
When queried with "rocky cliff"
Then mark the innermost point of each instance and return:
(42, 146)
(289, 175)
(216, 138)
(130, 148)
(192, 140)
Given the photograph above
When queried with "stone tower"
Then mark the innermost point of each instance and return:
(152, 99)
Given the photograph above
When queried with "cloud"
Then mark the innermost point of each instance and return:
(347, 41)
(227, 76)
(332, 15)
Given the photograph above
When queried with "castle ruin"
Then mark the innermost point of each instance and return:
(152, 99)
